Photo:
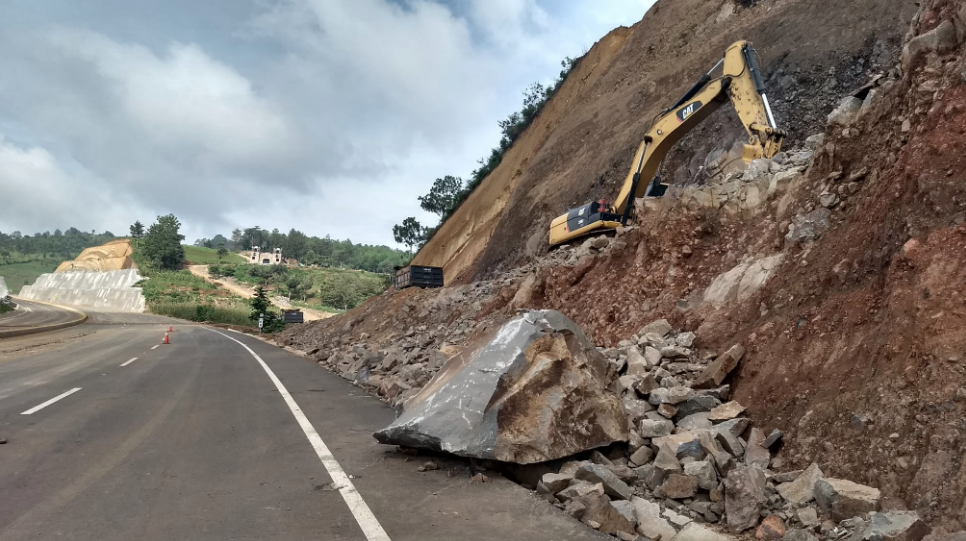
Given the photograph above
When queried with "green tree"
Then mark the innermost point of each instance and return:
(441, 198)
(137, 231)
(162, 244)
(410, 233)
(222, 251)
(260, 304)
(340, 291)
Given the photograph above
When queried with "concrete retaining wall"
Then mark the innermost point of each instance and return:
(111, 291)
(3, 288)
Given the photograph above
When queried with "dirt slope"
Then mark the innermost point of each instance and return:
(113, 255)
(580, 146)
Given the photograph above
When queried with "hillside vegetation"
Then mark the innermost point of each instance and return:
(25, 257)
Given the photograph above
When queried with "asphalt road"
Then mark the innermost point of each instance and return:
(30, 315)
(202, 440)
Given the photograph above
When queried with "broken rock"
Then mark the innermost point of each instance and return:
(744, 497)
(756, 455)
(844, 499)
(716, 372)
(703, 472)
(697, 532)
(660, 327)
(650, 523)
(601, 514)
(802, 489)
(771, 529)
(726, 412)
(896, 526)
(679, 486)
(533, 390)
(613, 486)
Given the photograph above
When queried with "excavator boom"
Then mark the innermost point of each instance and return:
(741, 82)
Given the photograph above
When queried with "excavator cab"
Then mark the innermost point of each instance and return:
(741, 83)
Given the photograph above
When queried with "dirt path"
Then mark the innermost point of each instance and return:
(246, 292)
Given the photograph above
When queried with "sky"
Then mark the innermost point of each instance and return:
(329, 116)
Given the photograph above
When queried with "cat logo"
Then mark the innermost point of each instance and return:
(686, 112)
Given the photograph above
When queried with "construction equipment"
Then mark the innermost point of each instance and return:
(741, 82)
(418, 276)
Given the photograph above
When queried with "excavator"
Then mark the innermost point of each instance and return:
(742, 82)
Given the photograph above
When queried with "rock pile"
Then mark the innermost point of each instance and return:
(693, 461)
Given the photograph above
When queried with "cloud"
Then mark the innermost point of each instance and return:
(330, 116)
(35, 188)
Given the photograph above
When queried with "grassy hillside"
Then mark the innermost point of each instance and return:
(19, 274)
(311, 287)
(199, 255)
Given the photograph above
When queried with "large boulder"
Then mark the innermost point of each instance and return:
(533, 390)
(744, 497)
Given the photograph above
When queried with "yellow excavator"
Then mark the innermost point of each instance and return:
(741, 81)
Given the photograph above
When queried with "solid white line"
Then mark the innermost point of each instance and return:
(129, 361)
(360, 510)
(35, 409)
(155, 347)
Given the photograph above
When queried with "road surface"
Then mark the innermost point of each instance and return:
(31, 315)
(220, 436)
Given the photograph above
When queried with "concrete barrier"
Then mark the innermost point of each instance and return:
(81, 318)
(111, 291)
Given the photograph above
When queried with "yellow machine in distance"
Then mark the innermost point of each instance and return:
(741, 82)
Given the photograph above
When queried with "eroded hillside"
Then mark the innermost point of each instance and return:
(580, 146)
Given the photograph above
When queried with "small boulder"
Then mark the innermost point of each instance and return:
(716, 372)
(643, 455)
(844, 499)
(660, 327)
(808, 516)
(802, 489)
(799, 535)
(577, 489)
(695, 422)
(703, 472)
(650, 523)
(744, 498)
(637, 365)
(679, 487)
(726, 412)
(771, 529)
(600, 513)
(695, 404)
(556, 482)
(613, 486)
(652, 356)
(697, 532)
(650, 428)
(896, 526)
(845, 112)
(756, 455)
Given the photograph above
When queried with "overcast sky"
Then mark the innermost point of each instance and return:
(330, 116)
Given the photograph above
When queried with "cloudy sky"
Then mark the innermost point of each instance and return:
(330, 116)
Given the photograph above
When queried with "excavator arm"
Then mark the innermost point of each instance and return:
(741, 82)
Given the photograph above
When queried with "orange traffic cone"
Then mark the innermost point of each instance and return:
(170, 328)
(166, 341)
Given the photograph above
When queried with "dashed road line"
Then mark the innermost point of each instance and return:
(155, 346)
(129, 361)
(35, 409)
(360, 510)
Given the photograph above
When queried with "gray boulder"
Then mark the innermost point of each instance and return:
(613, 487)
(697, 532)
(531, 391)
(744, 498)
(896, 526)
(843, 499)
(802, 489)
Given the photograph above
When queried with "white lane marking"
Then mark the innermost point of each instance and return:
(129, 361)
(154, 347)
(35, 409)
(360, 510)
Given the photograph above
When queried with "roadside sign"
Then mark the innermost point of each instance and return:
(261, 321)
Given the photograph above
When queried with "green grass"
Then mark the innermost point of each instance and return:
(4, 308)
(175, 286)
(19, 274)
(198, 255)
(235, 313)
